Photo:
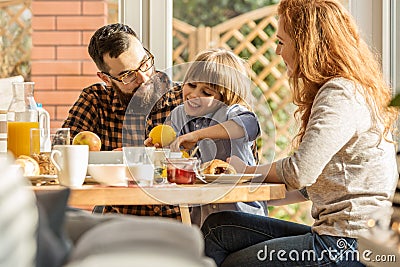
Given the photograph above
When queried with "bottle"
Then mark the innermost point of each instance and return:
(44, 124)
(3, 132)
(22, 115)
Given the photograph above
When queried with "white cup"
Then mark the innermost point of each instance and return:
(71, 162)
(139, 161)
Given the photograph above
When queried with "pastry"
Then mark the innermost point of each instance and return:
(29, 166)
(217, 166)
(46, 167)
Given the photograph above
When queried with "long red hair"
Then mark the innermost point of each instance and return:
(329, 46)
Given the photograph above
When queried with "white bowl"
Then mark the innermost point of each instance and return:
(109, 174)
(106, 157)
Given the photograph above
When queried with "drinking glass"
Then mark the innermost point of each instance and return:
(139, 161)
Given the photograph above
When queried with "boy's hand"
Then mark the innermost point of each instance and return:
(188, 141)
(149, 142)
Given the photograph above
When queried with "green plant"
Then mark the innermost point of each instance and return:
(395, 101)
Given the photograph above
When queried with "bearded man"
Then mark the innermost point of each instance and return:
(127, 70)
(133, 99)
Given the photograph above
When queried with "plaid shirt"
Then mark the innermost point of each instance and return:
(99, 110)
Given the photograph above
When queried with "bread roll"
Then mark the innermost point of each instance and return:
(46, 167)
(29, 166)
(217, 166)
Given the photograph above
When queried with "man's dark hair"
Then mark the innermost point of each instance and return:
(113, 39)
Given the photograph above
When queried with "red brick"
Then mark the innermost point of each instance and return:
(57, 97)
(76, 82)
(50, 108)
(89, 68)
(72, 52)
(56, 123)
(56, 38)
(86, 35)
(43, 23)
(62, 112)
(80, 22)
(44, 82)
(43, 52)
(94, 8)
(56, 67)
(56, 7)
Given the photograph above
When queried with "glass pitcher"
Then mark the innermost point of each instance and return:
(22, 115)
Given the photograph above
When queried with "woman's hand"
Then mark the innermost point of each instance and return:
(239, 165)
(188, 141)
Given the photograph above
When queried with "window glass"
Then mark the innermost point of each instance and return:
(112, 11)
(345, 3)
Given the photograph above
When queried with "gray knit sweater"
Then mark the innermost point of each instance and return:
(347, 174)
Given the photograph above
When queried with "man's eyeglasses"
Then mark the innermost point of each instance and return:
(131, 75)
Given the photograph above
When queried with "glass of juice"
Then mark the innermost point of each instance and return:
(19, 137)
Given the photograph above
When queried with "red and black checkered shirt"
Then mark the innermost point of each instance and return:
(98, 109)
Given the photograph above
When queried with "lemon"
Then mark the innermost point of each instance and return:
(185, 154)
(163, 135)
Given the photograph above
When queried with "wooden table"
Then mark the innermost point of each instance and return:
(182, 195)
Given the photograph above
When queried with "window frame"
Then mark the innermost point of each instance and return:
(152, 21)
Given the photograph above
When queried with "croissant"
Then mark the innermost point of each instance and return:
(217, 166)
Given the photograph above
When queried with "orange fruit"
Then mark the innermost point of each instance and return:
(163, 135)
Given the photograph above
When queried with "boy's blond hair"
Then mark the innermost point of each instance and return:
(223, 71)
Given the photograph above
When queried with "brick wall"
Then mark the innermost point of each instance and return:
(61, 66)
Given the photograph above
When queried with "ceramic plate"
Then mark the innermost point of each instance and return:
(41, 177)
(230, 178)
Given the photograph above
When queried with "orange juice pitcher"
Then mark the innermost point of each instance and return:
(22, 115)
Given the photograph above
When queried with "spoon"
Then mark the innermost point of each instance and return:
(194, 151)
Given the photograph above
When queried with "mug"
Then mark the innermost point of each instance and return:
(71, 162)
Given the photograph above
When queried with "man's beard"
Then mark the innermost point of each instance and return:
(125, 98)
(142, 98)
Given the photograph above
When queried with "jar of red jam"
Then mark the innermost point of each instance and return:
(182, 170)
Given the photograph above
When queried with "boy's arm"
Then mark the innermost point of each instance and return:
(247, 120)
(225, 130)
